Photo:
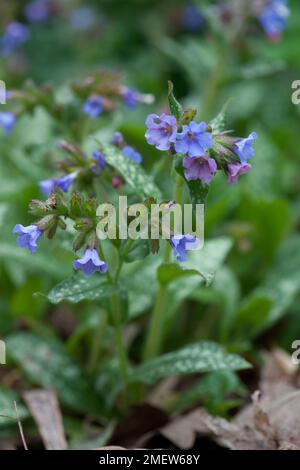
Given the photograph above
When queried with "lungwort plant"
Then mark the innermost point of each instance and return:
(124, 278)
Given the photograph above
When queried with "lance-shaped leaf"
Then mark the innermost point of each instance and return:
(205, 356)
(47, 364)
(174, 105)
(203, 263)
(133, 174)
(170, 272)
(78, 288)
(218, 124)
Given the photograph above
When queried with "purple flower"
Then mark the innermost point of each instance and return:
(129, 152)
(202, 168)
(99, 157)
(273, 17)
(64, 183)
(243, 148)
(192, 18)
(37, 11)
(90, 262)
(117, 139)
(234, 170)
(82, 18)
(28, 236)
(181, 244)
(93, 106)
(162, 130)
(7, 121)
(14, 36)
(194, 140)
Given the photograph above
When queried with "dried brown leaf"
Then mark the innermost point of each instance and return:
(44, 407)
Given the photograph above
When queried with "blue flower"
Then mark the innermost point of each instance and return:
(64, 183)
(129, 152)
(99, 157)
(181, 244)
(194, 140)
(162, 130)
(90, 262)
(7, 121)
(130, 97)
(273, 17)
(243, 148)
(28, 236)
(37, 11)
(14, 36)
(93, 106)
(192, 18)
(117, 139)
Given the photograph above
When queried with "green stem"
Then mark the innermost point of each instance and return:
(123, 363)
(116, 317)
(153, 341)
(95, 350)
(213, 85)
(122, 257)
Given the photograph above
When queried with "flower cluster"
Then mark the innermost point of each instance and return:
(51, 215)
(203, 151)
(97, 94)
(80, 169)
(101, 92)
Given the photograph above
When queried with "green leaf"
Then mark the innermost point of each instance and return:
(175, 107)
(206, 261)
(46, 363)
(169, 272)
(40, 262)
(269, 219)
(283, 281)
(218, 124)
(224, 292)
(212, 390)
(252, 315)
(204, 356)
(7, 408)
(133, 174)
(78, 288)
(140, 250)
(134, 277)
